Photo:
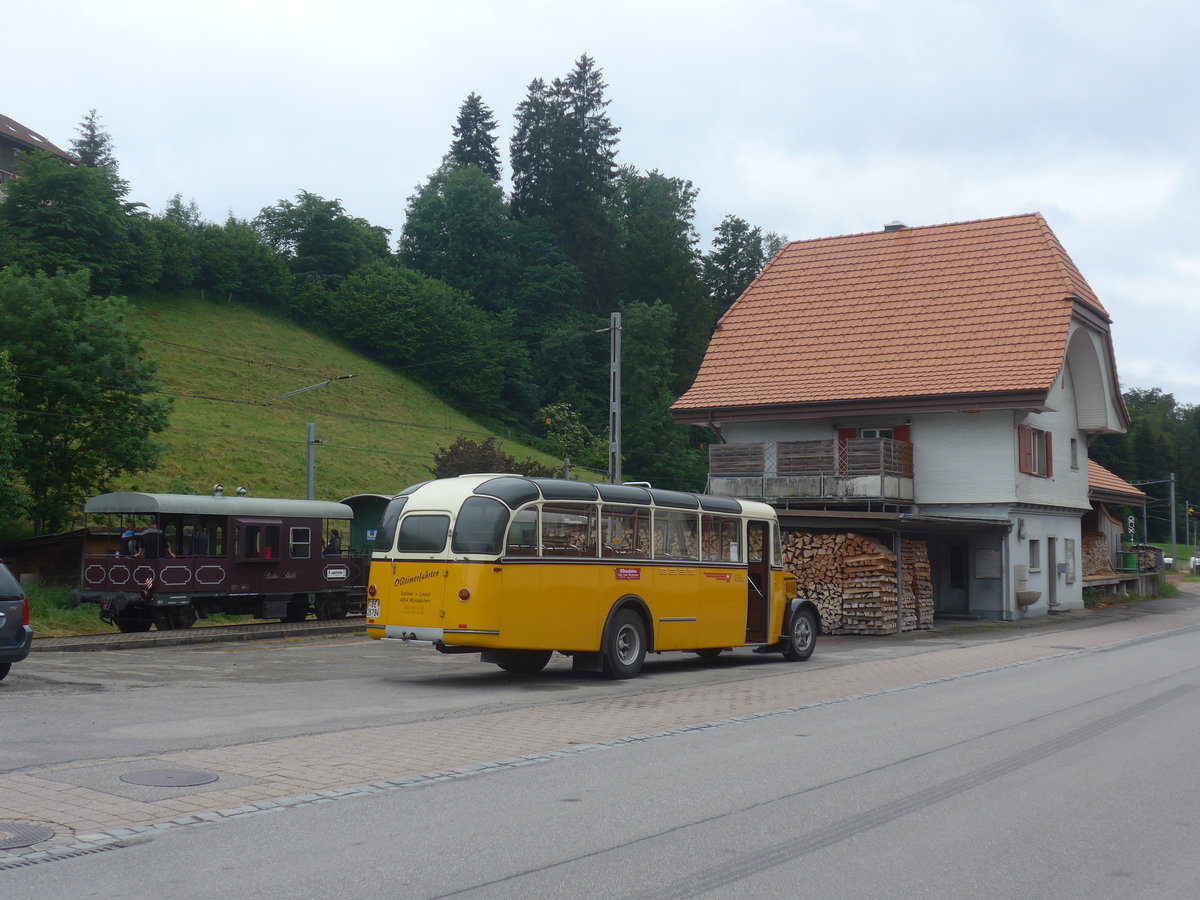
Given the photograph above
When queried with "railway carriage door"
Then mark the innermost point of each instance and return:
(758, 578)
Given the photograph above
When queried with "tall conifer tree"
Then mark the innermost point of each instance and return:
(474, 137)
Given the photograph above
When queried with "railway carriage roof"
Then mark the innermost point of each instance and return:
(204, 505)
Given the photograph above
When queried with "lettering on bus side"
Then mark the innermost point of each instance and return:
(431, 573)
(624, 574)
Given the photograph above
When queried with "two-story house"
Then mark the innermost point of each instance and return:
(15, 137)
(939, 383)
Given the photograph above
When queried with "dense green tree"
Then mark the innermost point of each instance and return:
(11, 494)
(316, 235)
(466, 457)
(177, 231)
(475, 138)
(458, 230)
(1163, 438)
(86, 409)
(564, 163)
(94, 146)
(659, 260)
(571, 438)
(738, 254)
(654, 449)
(60, 218)
(412, 322)
(236, 264)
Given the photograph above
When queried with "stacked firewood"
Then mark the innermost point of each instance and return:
(1096, 559)
(852, 579)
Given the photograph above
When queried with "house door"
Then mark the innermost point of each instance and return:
(954, 577)
(758, 578)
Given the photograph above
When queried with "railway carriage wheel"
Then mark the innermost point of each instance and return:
(297, 608)
(624, 645)
(170, 618)
(133, 620)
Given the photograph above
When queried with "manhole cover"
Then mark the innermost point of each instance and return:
(15, 834)
(169, 778)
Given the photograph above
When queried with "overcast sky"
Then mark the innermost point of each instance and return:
(808, 118)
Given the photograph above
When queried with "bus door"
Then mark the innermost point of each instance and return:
(758, 580)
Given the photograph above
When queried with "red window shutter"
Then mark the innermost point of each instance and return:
(901, 432)
(1025, 448)
(1049, 456)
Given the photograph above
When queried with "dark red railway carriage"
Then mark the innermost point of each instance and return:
(164, 559)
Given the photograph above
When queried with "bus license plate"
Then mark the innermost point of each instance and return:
(373, 608)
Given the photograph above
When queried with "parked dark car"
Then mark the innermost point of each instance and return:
(16, 636)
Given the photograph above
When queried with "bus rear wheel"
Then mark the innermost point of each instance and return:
(625, 645)
(523, 662)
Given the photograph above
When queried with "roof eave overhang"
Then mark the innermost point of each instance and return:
(1030, 399)
(1118, 498)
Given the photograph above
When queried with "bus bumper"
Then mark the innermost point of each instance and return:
(409, 635)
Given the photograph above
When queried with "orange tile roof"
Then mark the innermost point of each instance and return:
(1101, 479)
(969, 308)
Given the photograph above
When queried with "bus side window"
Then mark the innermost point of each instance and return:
(522, 534)
(569, 529)
(675, 534)
(624, 531)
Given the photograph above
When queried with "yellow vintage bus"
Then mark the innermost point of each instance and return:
(516, 568)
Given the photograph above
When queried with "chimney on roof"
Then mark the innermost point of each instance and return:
(895, 225)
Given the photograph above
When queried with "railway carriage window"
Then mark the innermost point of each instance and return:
(300, 543)
(522, 534)
(261, 542)
(675, 534)
(569, 529)
(423, 534)
(480, 526)
(625, 531)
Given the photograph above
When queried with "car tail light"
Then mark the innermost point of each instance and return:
(24, 610)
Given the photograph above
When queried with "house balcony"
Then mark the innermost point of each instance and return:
(856, 470)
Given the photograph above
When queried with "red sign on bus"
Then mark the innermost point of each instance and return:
(628, 574)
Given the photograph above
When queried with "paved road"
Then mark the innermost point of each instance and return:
(350, 718)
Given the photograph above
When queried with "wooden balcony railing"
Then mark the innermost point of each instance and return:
(855, 469)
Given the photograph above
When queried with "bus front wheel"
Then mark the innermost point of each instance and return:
(625, 645)
(802, 636)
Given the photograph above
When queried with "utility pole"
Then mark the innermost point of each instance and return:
(312, 428)
(614, 398)
(312, 443)
(1174, 547)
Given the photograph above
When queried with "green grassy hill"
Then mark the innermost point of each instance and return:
(227, 366)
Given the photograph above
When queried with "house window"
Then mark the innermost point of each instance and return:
(877, 432)
(1074, 453)
(1069, 552)
(1035, 556)
(1033, 446)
